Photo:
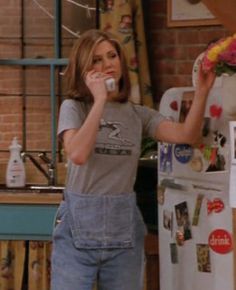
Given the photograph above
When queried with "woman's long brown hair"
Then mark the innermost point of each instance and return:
(80, 61)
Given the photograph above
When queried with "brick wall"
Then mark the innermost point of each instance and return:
(172, 51)
(10, 80)
(26, 31)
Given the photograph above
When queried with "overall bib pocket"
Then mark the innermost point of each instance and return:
(105, 221)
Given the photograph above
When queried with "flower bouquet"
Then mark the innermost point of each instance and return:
(221, 56)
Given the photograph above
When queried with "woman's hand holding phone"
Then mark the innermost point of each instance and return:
(95, 81)
(99, 84)
(110, 84)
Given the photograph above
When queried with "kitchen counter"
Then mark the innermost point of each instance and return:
(30, 198)
(27, 215)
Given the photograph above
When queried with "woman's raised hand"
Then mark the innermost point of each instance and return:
(205, 80)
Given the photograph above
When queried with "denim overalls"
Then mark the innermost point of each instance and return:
(98, 237)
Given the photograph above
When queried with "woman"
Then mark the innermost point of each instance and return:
(100, 236)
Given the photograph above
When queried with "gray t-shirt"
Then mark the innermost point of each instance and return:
(112, 165)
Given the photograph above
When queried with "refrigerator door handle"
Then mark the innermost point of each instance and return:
(170, 183)
(196, 186)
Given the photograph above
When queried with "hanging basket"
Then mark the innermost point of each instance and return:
(229, 95)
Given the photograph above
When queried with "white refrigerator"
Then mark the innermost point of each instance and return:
(194, 217)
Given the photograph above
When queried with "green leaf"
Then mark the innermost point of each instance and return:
(222, 68)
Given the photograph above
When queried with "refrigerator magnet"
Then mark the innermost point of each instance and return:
(186, 103)
(216, 158)
(203, 258)
(174, 253)
(216, 205)
(197, 209)
(206, 126)
(161, 194)
(179, 238)
(182, 218)
(183, 153)
(215, 111)
(220, 241)
(197, 163)
(165, 157)
(168, 220)
(174, 106)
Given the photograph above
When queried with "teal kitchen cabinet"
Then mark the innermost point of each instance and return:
(28, 216)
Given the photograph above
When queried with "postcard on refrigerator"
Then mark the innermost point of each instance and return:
(186, 103)
(182, 218)
(203, 258)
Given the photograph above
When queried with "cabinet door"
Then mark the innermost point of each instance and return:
(26, 222)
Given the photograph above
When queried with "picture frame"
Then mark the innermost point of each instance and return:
(182, 13)
(232, 133)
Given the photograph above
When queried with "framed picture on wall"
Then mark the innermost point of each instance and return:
(189, 13)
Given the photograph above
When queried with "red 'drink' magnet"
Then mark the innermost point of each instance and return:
(220, 241)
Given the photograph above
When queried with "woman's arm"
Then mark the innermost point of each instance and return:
(190, 130)
(78, 143)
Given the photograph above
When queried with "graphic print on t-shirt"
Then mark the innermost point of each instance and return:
(111, 139)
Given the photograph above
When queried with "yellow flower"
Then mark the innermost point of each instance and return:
(226, 43)
(217, 49)
(213, 53)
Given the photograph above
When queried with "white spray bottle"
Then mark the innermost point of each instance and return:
(15, 175)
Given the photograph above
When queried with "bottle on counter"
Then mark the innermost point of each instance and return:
(15, 174)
